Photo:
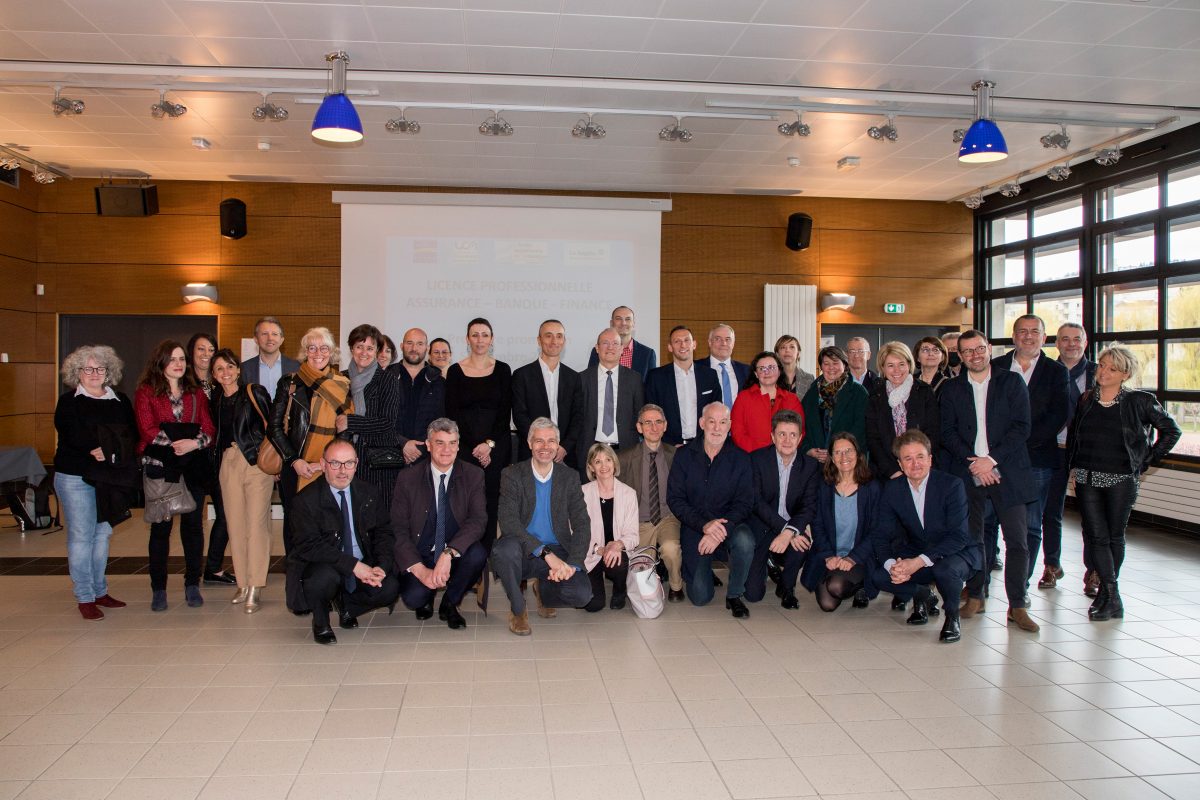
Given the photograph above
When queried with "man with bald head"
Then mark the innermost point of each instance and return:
(548, 388)
(422, 393)
(612, 396)
(635, 355)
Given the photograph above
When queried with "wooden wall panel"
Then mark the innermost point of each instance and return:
(18, 279)
(232, 328)
(19, 430)
(747, 344)
(46, 338)
(163, 239)
(286, 240)
(174, 197)
(125, 288)
(827, 213)
(20, 335)
(22, 385)
(731, 249)
(687, 296)
(20, 232)
(297, 290)
(913, 254)
(26, 196)
(927, 302)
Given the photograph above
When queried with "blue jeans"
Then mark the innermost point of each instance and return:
(87, 540)
(737, 549)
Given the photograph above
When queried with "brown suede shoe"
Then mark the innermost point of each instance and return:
(1020, 617)
(545, 612)
(972, 607)
(1091, 583)
(1048, 580)
(519, 623)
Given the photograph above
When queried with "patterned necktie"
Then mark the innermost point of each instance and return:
(609, 423)
(347, 536)
(439, 528)
(655, 502)
(726, 389)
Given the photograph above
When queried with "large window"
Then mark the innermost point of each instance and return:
(1121, 255)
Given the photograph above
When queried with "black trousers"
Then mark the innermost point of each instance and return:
(323, 584)
(191, 535)
(464, 571)
(1014, 525)
(616, 574)
(289, 483)
(512, 565)
(218, 535)
(792, 560)
(949, 574)
(1105, 516)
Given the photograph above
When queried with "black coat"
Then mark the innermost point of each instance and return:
(375, 426)
(803, 481)
(1142, 417)
(317, 527)
(249, 429)
(529, 401)
(923, 414)
(430, 401)
(660, 390)
(1049, 408)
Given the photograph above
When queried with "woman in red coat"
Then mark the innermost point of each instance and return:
(173, 425)
(758, 401)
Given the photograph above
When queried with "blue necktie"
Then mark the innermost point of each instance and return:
(347, 536)
(439, 528)
(609, 423)
(726, 389)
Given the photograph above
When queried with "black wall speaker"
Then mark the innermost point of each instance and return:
(233, 218)
(126, 201)
(799, 231)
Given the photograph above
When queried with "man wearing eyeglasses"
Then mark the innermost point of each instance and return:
(858, 353)
(645, 468)
(342, 537)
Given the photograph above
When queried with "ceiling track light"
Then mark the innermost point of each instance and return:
(973, 201)
(13, 156)
(1059, 138)
(7, 163)
(797, 128)
(337, 120)
(495, 125)
(1059, 172)
(1109, 156)
(886, 132)
(675, 133)
(983, 143)
(958, 135)
(43, 177)
(402, 124)
(268, 110)
(64, 105)
(1010, 189)
(586, 128)
(165, 108)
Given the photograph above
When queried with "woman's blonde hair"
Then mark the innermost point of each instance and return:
(319, 336)
(1123, 360)
(894, 350)
(600, 448)
(102, 354)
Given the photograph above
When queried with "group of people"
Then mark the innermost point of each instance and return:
(397, 473)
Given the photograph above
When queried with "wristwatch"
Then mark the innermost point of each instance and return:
(491, 443)
(450, 551)
(545, 552)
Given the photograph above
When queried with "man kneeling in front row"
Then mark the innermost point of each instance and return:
(342, 535)
(921, 537)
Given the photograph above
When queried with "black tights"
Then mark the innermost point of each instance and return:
(1105, 513)
(839, 585)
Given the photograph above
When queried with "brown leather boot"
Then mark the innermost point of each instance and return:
(545, 612)
(1020, 617)
(519, 623)
(1048, 580)
(973, 606)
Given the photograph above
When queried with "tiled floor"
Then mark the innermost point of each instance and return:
(211, 703)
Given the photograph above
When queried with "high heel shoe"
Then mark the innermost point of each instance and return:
(253, 598)
(240, 597)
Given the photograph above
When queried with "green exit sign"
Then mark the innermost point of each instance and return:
(893, 308)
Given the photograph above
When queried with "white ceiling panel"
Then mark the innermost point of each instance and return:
(1091, 23)
(817, 13)
(45, 15)
(911, 16)
(241, 52)
(950, 52)
(224, 19)
(1163, 28)
(601, 33)
(768, 41)
(70, 46)
(1008, 18)
(323, 22)
(505, 29)
(690, 37)
(424, 25)
(151, 17)
(164, 49)
(875, 47)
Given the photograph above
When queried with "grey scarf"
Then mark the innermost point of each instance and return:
(359, 378)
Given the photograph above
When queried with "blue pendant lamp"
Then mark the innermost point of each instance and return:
(336, 119)
(984, 143)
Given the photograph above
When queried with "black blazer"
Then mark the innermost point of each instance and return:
(630, 399)
(250, 373)
(824, 530)
(1007, 432)
(529, 401)
(741, 372)
(801, 502)
(317, 527)
(644, 359)
(900, 534)
(1049, 408)
(413, 500)
(660, 390)
(923, 414)
(869, 380)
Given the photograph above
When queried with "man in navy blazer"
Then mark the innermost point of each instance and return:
(270, 364)
(921, 536)
(785, 503)
(634, 355)
(731, 375)
(696, 379)
(628, 397)
(985, 425)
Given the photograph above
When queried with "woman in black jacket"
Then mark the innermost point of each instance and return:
(372, 426)
(239, 414)
(898, 403)
(1115, 436)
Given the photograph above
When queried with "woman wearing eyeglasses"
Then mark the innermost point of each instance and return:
(96, 431)
(932, 361)
(304, 416)
(758, 401)
(834, 403)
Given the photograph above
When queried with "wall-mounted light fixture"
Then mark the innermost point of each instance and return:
(195, 292)
(837, 302)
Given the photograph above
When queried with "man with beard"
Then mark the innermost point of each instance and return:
(422, 393)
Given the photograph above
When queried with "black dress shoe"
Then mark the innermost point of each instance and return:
(617, 603)
(774, 572)
(790, 601)
(347, 621)
(323, 634)
(997, 565)
(920, 612)
(950, 631)
(931, 605)
(860, 599)
(898, 604)
(452, 618)
(426, 611)
(225, 577)
(779, 589)
(738, 608)
(675, 595)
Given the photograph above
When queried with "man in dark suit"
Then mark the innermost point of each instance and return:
(634, 355)
(682, 388)
(785, 502)
(985, 424)
(544, 531)
(438, 515)
(645, 467)
(731, 375)
(612, 395)
(342, 538)
(711, 491)
(921, 535)
(858, 353)
(1049, 409)
(549, 388)
(270, 364)
(422, 393)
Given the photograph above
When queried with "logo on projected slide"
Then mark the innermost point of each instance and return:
(464, 251)
(588, 254)
(425, 251)
(522, 252)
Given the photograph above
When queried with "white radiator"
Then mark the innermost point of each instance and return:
(1170, 493)
(791, 309)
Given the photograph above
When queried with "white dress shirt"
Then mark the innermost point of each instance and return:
(979, 388)
(715, 363)
(918, 496)
(685, 390)
(550, 379)
(601, 382)
(1026, 374)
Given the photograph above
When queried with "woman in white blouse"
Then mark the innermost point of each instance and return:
(613, 508)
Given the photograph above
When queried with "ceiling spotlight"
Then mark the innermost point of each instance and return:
(958, 135)
(336, 119)
(797, 128)
(8, 163)
(847, 163)
(268, 110)
(983, 142)
(495, 125)
(973, 201)
(402, 124)
(1059, 139)
(65, 105)
(674, 133)
(587, 129)
(1010, 189)
(41, 176)
(1108, 156)
(886, 132)
(1059, 172)
(165, 108)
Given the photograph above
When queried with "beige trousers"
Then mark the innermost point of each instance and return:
(665, 535)
(246, 493)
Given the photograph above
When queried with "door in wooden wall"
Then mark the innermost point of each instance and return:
(133, 337)
(877, 335)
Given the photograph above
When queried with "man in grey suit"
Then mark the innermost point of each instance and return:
(645, 467)
(612, 396)
(270, 364)
(545, 531)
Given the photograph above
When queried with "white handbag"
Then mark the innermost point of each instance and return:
(643, 585)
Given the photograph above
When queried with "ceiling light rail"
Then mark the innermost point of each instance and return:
(628, 112)
(11, 158)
